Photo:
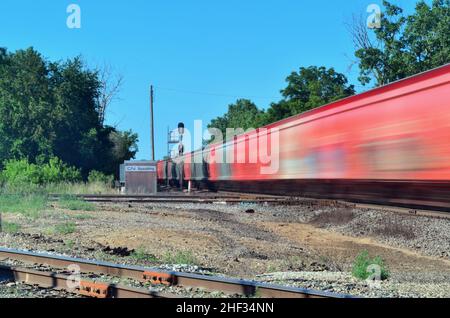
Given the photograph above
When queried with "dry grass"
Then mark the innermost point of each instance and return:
(57, 188)
(81, 188)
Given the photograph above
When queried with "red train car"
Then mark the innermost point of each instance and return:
(388, 144)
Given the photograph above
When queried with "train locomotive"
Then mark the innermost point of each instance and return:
(387, 145)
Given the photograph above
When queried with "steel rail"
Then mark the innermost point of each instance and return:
(401, 210)
(186, 200)
(138, 273)
(258, 199)
(181, 199)
(177, 196)
(86, 288)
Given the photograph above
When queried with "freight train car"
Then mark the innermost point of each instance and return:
(388, 145)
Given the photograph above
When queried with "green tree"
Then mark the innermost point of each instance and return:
(403, 45)
(243, 114)
(124, 148)
(51, 109)
(306, 89)
(427, 36)
(309, 88)
(25, 106)
(81, 139)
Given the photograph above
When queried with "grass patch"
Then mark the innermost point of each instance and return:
(364, 267)
(74, 204)
(80, 188)
(70, 244)
(11, 228)
(180, 258)
(82, 217)
(30, 205)
(65, 228)
(140, 255)
(337, 217)
(61, 188)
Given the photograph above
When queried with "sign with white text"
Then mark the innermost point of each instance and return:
(140, 169)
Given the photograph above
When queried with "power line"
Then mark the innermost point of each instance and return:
(180, 91)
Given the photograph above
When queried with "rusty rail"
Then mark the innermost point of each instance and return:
(85, 288)
(208, 199)
(142, 274)
(255, 199)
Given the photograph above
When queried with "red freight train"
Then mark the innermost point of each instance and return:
(390, 144)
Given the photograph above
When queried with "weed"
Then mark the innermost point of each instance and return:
(180, 257)
(140, 255)
(8, 227)
(75, 204)
(70, 244)
(363, 269)
(65, 228)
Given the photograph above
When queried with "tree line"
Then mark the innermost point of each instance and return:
(403, 46)
(55, 111)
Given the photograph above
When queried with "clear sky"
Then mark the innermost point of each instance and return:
(201, 55)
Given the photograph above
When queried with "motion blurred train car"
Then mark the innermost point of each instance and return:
(387, 145)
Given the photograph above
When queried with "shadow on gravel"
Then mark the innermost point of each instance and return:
(393, 228)
(336, 217)
(239, 229)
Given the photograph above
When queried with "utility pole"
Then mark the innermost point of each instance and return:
(152, 130)
(168, 142)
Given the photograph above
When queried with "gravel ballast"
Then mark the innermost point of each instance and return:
(315, 240)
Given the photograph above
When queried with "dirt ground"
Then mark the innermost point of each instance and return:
(221, 239)
(240, 245)
(230, 241)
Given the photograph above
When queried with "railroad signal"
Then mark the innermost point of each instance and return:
(181, 129)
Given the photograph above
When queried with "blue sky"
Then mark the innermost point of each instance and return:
(200, 55)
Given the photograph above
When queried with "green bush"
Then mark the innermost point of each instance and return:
(97, 176)
(22, 172)
(361, 266)
(56, 171)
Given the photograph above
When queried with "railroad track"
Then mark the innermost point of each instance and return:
(230, 198)
(57, 281)
(50, 279)
(218, 199)
(401, 210)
